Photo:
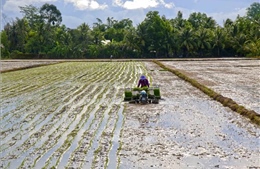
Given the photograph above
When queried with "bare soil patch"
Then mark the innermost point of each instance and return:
(236, 79)
(11, 65)
(186, 130)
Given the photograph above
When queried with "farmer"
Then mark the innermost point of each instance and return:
(143, 82)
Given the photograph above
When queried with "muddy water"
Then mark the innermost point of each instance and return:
(186, 130)
(237, 79)
(67, 115)
(71, 115)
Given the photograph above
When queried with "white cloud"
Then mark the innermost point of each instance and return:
(87, 4)
(221, 16)
(167, 5)
(13, 5)
(138, 4)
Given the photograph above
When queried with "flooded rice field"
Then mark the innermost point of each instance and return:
(236, 79)
(72, 115)
(7, 65)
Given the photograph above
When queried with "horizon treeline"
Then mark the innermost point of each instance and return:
(40, 34)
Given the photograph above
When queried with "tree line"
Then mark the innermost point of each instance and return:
(40, 34)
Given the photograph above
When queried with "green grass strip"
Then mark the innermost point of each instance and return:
(225, 101)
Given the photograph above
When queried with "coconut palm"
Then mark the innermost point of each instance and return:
(219, 40)
(203, 39)
(187, 41)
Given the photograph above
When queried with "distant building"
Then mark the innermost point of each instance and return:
(105, 42)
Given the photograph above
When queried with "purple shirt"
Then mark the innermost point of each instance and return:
(143, 82)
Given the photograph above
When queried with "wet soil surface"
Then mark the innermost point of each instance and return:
(186, 130)
(63, 115)
(71, 115)
(7, 65)
(237, 79)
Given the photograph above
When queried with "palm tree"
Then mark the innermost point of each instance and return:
(238, 43)
(219, 40)
(252, 48)
(203, 40)
(187, 41)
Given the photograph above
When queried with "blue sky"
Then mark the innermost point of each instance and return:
(76, 12)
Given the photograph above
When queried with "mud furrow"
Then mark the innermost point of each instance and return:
(85, 143)
(112, 159)
(95, 147)
(64, 148)
(28, 88)
(59, 141)
(43, 117)
(33, 121)
(40, 79)
(71, 114)
(101, 160)
(112, 91)
(36, 102)
(46, 102)
(59, 127)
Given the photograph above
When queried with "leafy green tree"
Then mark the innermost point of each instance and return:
(141, 42)
(132, 42)
(203, 40)
(198, 19)
(40, 32)
(174, 41)
(17, 34)
(31, 14)
(116, 30)
(252, 48)
(4, 45)
(155, 31)
(50, 14)
(98, 31)
(63, 44)
(187, 41)
(228, 23)
(253, 12)
(110, 22)
(178, 22)
(219, 40)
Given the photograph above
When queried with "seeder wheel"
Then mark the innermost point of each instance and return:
(155, 101)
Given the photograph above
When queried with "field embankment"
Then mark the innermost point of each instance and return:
(13, 65)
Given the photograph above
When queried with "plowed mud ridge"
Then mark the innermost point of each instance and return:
(10, 65)
(72, 115)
